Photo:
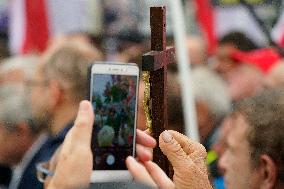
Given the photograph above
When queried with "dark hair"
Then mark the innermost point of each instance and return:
(265, 116)
(239, 40)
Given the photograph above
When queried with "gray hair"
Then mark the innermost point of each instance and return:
(264, 116)
(68, 64)
(27, 63)
(15, 107)
(208, 87)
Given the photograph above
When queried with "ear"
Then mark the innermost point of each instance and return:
(268, 170)
(22, 129)
(21, 133)
(56, 93)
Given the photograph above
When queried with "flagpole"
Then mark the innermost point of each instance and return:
(183, 62)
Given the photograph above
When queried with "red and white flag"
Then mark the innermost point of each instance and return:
(33, 22)
(28, 26)
(216, 18)
(277, 33)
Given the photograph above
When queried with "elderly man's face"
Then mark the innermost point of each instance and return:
(235, 162)
(39, 98)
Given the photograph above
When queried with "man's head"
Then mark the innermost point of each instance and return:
(226, 45)
(254, 157)
(17, 69)
(60, 82)
(238, 40)
(245, 81)
(17, 131)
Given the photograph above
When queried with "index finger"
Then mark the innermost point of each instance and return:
(190, 147)
(144, 139)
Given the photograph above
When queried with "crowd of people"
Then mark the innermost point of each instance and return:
(46, 120)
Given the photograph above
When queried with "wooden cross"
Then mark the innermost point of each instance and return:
(156, 62)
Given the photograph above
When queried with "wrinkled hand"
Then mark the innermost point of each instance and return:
(188, 160)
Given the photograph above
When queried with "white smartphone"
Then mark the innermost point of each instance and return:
(113, 93)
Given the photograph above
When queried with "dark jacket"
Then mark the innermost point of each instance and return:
(29, 178)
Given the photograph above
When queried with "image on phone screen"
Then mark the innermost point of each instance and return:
(114, 102)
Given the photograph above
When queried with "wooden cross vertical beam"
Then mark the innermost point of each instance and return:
(156, 62)
(158, 28)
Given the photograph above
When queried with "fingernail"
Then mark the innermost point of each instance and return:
(130, 158)
(167, 137)
(83, 106)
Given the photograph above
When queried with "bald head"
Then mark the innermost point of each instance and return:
(196, 47)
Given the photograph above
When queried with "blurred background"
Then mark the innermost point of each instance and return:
(27, 26)
(235, 49)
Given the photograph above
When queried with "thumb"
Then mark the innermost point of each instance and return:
(83, 126)
(173, 150)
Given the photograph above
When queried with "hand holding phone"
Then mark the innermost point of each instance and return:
(75, 169)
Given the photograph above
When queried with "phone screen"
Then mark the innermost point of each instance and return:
(114, 101)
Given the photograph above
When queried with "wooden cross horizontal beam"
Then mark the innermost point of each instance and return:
(155, 60)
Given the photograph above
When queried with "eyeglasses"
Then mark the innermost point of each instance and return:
(43, 172)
